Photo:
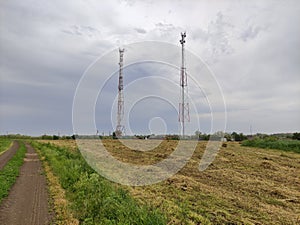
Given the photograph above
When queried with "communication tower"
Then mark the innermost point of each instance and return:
(120, 129)
(184, 114)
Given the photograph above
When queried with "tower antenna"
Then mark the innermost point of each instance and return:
(120, 129)
(184, 114)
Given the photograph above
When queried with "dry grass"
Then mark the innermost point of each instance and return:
(70, 144)
(137, 152)
(243, 185)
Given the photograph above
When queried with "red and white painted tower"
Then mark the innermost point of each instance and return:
(184, 111)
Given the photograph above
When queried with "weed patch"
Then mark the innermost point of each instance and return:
(10, 172)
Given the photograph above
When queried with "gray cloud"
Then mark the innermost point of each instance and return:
(250, 33)
(82, 30)
(252, 47)
(140, 30)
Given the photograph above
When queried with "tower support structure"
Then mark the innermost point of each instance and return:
(184, 114)
(120, 129)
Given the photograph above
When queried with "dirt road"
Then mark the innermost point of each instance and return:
(7, 155)
(27, 202)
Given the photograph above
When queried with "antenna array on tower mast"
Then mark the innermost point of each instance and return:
(184, 114)
(120, 129)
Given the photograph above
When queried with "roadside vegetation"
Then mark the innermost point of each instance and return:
(63, 214)
(93, 199)
(10, 172)
(274, 143)
(4, 144)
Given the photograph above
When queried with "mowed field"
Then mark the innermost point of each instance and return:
(243, 185)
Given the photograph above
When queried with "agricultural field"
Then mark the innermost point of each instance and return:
(244, 185)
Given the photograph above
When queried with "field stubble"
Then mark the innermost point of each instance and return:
(242, 186)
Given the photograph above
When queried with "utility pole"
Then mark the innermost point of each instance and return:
(120, 114)
(184, 114)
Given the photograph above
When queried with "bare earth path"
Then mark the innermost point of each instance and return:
(27, 202)
(7, 155)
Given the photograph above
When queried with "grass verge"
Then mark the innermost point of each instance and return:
(4, 144)
(10, 172)
(93, 199)
(63, 214)
(285, 145)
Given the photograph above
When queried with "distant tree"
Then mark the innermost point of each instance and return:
(204, 137)
(46, 137)
(172, 137)
(289, 136)
(296, 136)
(197, 134)
(114, 135)
(227, 136)
(238, 137)
(243, 137)
(142, 136)
(235, 136)
(55, 137)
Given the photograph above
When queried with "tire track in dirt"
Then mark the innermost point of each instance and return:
(27, 202)
(8, 154)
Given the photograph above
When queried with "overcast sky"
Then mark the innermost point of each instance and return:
(252, 48)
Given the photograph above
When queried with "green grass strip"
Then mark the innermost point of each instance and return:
(4, 144)
(95, 200)
(285, 145)
(10, 172)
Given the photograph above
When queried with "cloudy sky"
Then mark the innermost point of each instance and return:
(250, 48)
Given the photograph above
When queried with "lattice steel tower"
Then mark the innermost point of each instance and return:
(184, 114)
(120, 129)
